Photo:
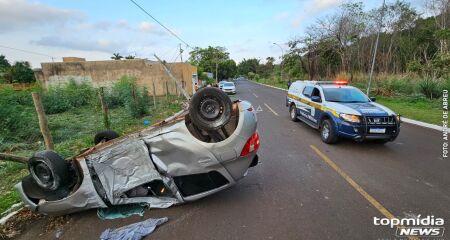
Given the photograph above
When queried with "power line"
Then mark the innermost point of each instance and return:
(162, 25)
(27, 51)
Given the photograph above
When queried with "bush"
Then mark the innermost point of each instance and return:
(17, 119)
(126, 93)
(430, 88)
(73, 95)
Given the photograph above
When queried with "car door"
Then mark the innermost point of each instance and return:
(309, 110)
(303, 105)
(316, 111)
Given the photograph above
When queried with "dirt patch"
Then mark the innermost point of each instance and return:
(15, 225)
(25, 218)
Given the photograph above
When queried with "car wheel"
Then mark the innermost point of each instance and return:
(210, 109)
(49, 170)
(105, 136)
(327, 132)
(293, 113)
(34, 191)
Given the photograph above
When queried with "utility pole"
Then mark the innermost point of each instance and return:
(177, 82)
(281, 62)
(181, 53)
(380, 25)
(217, 68)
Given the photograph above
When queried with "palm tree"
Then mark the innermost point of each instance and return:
(116, 56)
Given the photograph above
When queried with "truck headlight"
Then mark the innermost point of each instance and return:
(397, 117)
(350, 118)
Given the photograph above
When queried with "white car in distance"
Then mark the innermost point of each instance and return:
(229, 88)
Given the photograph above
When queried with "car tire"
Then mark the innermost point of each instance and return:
(328, 132)
(293, 113)
(210, 108)
(105, 136)
(49, 170)
(34, 191)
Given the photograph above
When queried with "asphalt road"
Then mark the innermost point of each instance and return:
(303, 188)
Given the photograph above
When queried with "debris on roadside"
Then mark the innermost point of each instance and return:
(56, 222)
(135, 231)
(121, 211)
(17, 223)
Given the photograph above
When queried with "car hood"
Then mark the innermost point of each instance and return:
(366, 109)
(228, 88)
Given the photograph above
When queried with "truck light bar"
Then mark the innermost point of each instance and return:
(336, 82)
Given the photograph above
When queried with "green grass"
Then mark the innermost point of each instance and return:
(419, 109)
(273, 82)
(73, 131)
(10, 174)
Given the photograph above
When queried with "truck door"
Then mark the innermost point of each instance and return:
(316, 106)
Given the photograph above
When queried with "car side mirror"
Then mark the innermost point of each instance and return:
(373, 99)
(316, 99)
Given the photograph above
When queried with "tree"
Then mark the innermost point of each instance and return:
(130, 57)
(209, 59)
(116, 56)
(227, 69)
(22, 73)
(4, 69)
(248, 65)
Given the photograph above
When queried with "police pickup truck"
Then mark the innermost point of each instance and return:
(338, 110)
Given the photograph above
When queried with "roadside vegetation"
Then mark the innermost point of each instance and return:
(74, 114)
(412, 64)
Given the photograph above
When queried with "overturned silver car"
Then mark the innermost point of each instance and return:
(191, 155)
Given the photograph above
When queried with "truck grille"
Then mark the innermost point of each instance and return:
(380, 120)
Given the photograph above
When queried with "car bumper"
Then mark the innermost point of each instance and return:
(362, 131)
(229, 91)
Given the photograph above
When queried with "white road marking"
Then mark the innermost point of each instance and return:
(276, 114)
(259, 108)
(255, 95)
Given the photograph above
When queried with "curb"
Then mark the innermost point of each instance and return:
(421, 124)
(269, 86)
(403, 119)
(13, 210)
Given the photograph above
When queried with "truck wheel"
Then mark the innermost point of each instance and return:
(210, 108)
(293, 113)
(105, 136)
(327, 132)
(49, 170)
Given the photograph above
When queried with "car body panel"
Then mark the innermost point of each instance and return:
(158, 153)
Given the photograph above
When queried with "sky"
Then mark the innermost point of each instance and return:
(96, 29)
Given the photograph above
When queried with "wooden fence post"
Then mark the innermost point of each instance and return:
(104, 109)
(43, 124)
(154, 94)
(167, 88)
(14, 158)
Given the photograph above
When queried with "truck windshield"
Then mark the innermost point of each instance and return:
(345, 95)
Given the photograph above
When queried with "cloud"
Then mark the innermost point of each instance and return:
(101, 45)
(314, 7)
(146, 27)
(22, 14)
(104, 25)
